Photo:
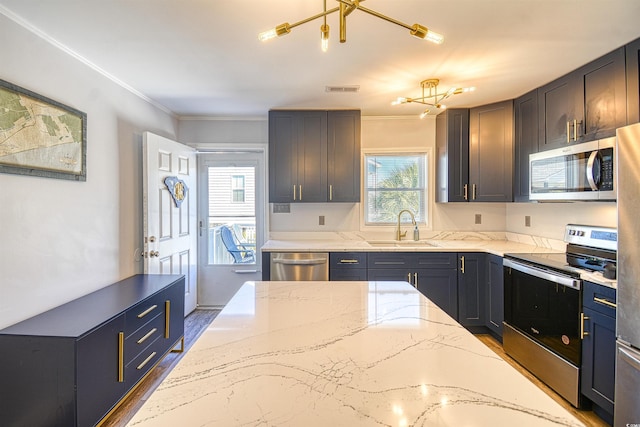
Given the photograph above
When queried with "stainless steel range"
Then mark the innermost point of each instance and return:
(543, 303)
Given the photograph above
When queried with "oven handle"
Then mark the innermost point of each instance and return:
(542, 274)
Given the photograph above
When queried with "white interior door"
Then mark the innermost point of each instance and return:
(231, 198)
(170, 212)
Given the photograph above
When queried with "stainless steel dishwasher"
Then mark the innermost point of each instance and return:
(299, 266)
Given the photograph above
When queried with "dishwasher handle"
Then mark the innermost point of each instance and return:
(309, 261)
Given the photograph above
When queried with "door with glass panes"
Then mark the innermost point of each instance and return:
(231, 223)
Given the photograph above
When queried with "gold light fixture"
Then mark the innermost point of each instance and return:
(431, 97)
(345, 8)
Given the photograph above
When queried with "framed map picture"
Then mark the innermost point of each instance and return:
(41, 137)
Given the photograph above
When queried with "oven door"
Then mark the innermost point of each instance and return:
(545, 306)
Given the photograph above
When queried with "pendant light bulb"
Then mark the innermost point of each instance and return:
(324, 37)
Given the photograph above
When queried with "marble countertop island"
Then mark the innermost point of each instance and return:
(343, 354)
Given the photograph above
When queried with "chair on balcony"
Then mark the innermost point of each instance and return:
(241, 254)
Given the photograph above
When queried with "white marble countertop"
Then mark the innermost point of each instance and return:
(343, 354)
(494, 243)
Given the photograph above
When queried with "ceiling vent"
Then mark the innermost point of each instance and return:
(342, 89)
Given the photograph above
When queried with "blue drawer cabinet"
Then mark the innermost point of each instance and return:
(348, 266)
(599, 348)
(71, 365)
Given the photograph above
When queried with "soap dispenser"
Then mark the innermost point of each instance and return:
(416, 233)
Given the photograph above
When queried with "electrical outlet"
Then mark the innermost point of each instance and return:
(321, 220)
(527, 221)
(281, 208)
(478, 218)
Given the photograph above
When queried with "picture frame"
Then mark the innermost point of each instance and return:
(40, 136)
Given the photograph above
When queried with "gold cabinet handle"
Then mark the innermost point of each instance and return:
(583, 333)
(466, 191)
(415, 280)
(121, 357)
(145, 361)
(300, 191)
(409, 278)
(605, 302)
(330, 192)
(473, 192)
(575, 129)
(294, 193)
(462, 264)
(348, 261)
(147, 311)
(146, 336)
(167, 313)
(568, 131)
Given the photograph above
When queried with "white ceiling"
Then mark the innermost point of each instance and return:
(203, 58)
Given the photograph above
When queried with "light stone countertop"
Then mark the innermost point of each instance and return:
(343, 354)
(496, 247)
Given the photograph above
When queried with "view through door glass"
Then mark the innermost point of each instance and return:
(231, 215)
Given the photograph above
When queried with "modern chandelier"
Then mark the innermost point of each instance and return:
(431, 97)
(345, 8)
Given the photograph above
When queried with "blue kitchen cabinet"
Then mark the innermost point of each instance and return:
(348, 266)
(495, 295)
(599, 348)
(472, 281)
(434, 274)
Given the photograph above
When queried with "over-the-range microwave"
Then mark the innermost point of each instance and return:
(583, 171)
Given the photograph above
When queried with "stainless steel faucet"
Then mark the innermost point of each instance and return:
(399, 234)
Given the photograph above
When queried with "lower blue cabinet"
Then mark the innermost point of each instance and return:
(599, 348)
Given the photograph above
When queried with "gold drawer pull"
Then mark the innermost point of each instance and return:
(121, 357)
(605, 302)
(140, 366)
(147, 335)
(147, 311)
(167, 320)
(348, 261)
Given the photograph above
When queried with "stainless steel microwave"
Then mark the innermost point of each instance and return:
(578, 172)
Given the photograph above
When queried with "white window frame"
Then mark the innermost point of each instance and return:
(424, 224)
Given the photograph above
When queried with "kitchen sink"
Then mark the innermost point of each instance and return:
(401, 243)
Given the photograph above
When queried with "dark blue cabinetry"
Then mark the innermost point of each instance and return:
(599, 348)
(472, 282)
(348, 266)
(71, 365)
(434, 274)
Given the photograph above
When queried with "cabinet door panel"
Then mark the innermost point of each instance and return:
(471, 289)
(491, 153)
(283, 166)
(348, 274)
(98, 361)
(452, 143)
(604, 96)
(312, 156)
(343, 168)
(633, 81)
(525, 142)
(495, 297)
(598, 359)
(391, 274)
(556, 107)
(441, 287)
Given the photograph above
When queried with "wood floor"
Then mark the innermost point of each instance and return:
(194, 325)
(197, 322)
(589, 418)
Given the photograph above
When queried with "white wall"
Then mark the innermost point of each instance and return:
(549, 219)
(62, 239)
